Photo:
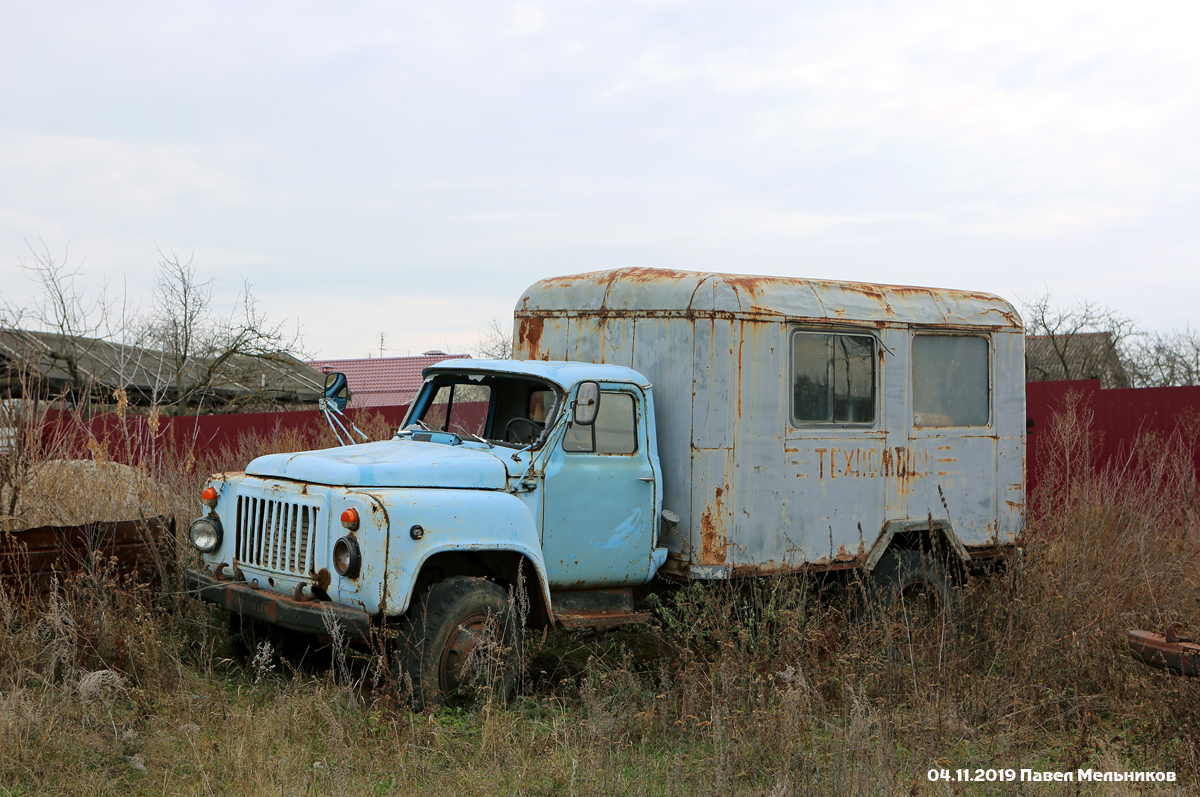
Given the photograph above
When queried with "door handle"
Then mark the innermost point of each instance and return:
(645, 478)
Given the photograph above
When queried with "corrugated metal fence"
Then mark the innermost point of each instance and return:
(1117, 422)
(1117, 419)
(132, 438)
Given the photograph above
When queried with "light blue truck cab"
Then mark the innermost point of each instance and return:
(793, 425)
(540, 479)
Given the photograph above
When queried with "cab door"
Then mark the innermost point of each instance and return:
(951, 461)
(599, 499)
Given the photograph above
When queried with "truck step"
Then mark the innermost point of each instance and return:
(589, 608)
(601, 619)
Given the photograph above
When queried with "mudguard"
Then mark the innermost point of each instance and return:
(426, 522)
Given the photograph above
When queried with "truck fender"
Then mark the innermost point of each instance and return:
(425, 523)
(938, 530)
(539, 587)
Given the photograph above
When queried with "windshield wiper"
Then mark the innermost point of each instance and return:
(479, 439)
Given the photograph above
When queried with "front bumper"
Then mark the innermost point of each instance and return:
(270, 607)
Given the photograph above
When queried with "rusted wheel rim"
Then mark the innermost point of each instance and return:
(461, 641)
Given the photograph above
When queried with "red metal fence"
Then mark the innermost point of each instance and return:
(218, 431)
(1117, 421)
(135, 438)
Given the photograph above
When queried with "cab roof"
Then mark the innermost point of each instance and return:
(563, 373)
(664, 292)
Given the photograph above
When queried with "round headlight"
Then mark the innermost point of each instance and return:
(346, 558)
(206, 533)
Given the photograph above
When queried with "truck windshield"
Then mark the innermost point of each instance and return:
(500, 408)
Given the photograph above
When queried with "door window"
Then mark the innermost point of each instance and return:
(614, 432)
(950, 380)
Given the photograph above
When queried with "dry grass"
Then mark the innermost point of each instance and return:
(764, 687)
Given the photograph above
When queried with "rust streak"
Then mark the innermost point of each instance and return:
(529, 335)
(713, 548)
(321, 578)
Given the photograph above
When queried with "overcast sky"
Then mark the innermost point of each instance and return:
(408, 168)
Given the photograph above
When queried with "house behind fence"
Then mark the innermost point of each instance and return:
(90, 369)
(1085, 355)
(384, 381)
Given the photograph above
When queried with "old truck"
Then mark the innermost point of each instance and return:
(653, 424)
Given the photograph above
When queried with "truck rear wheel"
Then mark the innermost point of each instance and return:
(913, 593)
(460, 641)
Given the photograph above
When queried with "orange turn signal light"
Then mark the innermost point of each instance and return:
(209, 497)
(350, 518)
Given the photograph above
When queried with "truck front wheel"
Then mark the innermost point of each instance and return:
(460, 639)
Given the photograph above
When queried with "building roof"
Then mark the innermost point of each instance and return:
(650, 291)
(144, 373)
(384, 381)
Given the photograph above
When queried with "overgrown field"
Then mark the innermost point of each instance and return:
(765, 687)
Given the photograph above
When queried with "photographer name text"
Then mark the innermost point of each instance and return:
(1043, 776)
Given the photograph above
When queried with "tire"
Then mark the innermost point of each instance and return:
(913, 594)
(460, 640)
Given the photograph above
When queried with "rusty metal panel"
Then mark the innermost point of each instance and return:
(586, 336)
(755, 494)
(1166, 651)
(596, 608)
(841, 480)
(298, 614)
(661, 347)
(895, 412)
(619, 347)
(712, 505)
(556, 340)
(952, 475)
(714, 407)
(837, 502)
(30, 559)
(760, 487)
(640, 291)
(1010, 444)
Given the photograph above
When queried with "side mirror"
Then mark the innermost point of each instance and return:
(337, 391)
(587, 403)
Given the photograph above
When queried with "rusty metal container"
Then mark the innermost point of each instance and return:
(915, 425)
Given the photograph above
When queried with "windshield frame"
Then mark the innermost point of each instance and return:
(496, 416)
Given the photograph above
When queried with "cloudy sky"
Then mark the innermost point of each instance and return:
(408, 168)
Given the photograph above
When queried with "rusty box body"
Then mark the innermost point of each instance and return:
(802, 424)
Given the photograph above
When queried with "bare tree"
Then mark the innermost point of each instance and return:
(203, 352)
(65, 309)
(1086, 341)
(496, 341)
(181, 357)
(1163, 359)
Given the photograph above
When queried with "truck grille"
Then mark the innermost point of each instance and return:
(276, 535)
